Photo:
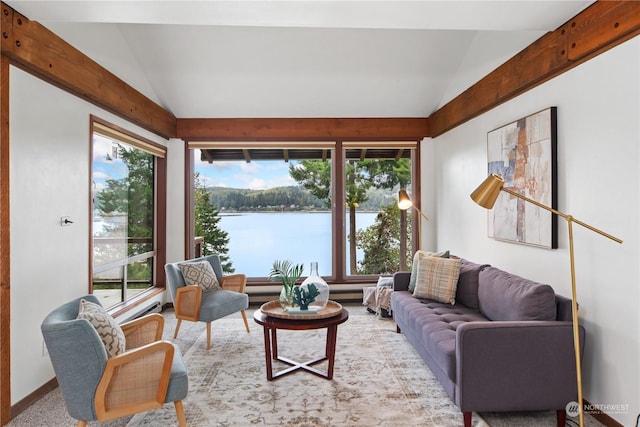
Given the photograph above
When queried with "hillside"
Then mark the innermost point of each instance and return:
(283, 198)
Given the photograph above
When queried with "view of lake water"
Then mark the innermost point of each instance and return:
(258, 239)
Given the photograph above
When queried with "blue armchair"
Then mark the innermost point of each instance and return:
(193, 304)
(96, 387)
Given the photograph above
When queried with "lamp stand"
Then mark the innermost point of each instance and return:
(419, 245)
(574, 317)
(574, 304)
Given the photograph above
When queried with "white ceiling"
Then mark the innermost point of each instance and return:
(300, 58)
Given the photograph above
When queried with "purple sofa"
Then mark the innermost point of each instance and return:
(505, 345)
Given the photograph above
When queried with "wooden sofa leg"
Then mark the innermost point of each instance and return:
(398, 331)
(467, 418)
(561, 416)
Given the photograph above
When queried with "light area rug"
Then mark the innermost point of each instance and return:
(379, 379)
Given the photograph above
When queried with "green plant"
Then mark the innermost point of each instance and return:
(286, 273)
(304, 297)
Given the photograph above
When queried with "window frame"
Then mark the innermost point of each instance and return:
(110, 130)
(339, 274)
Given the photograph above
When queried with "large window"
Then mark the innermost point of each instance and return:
(123, 213)
(334, 203)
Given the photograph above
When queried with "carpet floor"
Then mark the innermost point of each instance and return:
(379, 380)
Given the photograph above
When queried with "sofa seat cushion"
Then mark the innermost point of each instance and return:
(435, 324)
(438, 331)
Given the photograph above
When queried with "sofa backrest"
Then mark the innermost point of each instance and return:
(505, 296)
(467, 290)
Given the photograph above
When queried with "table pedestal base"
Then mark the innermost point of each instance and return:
(271, 326)
(271, 352)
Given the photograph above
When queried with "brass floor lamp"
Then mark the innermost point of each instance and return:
(485, 195)
(404, 203)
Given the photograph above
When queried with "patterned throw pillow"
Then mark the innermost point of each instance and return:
(414, 267)
(437, 278)
(199, 273)
(106, 326)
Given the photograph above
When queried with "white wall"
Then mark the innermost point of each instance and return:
(50, 160)
(175, 201)
(598, 183)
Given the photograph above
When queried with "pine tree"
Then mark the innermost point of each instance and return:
(206, 225)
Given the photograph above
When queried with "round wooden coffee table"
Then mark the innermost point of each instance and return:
(272, 324)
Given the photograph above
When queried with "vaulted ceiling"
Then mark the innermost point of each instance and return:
(220, 59)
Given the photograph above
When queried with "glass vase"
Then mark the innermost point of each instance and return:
(320, 300)
(286, 298)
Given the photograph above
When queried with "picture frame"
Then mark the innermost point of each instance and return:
(524, 152)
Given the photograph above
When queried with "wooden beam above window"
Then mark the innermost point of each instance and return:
(301, 129)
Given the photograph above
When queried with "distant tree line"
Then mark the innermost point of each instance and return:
(291, 198)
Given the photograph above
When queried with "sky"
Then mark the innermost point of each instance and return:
(256, 175)
(105, 164)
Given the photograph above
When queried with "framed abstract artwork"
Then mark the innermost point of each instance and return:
(524, 153)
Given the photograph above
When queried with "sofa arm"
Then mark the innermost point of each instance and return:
(515, 366)
(401, 280)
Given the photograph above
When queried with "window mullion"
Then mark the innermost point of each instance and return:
(338, 212)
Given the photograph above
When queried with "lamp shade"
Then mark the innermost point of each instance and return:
(487, 193)
(404, 201)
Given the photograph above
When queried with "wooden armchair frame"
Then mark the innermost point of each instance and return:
(147, 361)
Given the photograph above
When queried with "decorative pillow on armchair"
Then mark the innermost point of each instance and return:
(437, 278)
(199, 273)
(110, 332)
(414, 268)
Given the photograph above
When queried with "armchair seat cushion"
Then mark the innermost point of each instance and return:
(218, 304)
(179, 382)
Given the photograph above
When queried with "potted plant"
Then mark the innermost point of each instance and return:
(288, 274)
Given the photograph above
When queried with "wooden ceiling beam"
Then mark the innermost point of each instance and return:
(34, 48)
(302, 129)
(600, 27)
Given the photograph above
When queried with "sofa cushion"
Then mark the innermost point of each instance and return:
(439, 333)
(437, 278)
(467, 290)
(505, 296)
(432, 326)
(414, 266)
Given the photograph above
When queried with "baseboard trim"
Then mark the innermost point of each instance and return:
(601, 416)
(31, 398)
